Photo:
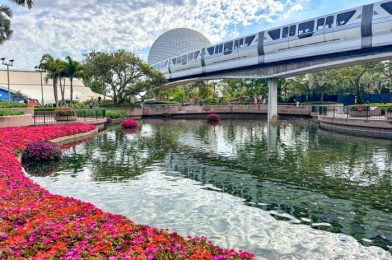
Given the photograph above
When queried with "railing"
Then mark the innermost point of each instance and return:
(91, 113)
(357, 111)
(49, 117)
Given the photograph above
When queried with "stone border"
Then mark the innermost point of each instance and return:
(16, 121)
(359, 127)
(75, 138)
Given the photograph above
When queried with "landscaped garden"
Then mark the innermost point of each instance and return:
(37, 224)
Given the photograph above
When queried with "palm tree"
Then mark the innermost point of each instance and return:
(5, 18)
(73, 69)
(55, 69)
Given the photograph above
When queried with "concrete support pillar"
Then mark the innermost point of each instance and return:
(272, 138)
(272, 100)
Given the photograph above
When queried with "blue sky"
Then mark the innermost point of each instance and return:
(75, 27)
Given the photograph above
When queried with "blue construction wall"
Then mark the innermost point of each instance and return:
(4, 96)
(349, 99)
(367, 98)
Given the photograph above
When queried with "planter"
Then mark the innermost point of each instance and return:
(372, 111)
(358, 114)
(65, 114)
(66, 118)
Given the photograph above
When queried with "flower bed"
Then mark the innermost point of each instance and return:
(129, 124)
(213, 118)
(37, 224)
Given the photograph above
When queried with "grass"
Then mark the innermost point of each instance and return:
(11, 105)
(11, 113)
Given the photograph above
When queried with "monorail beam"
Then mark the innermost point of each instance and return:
(273, 100)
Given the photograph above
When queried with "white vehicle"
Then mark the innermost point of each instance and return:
(358, 29)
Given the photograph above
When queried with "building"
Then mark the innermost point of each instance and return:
(28, 83)
(176, 42)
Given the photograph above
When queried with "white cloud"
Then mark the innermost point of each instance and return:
(70, 27)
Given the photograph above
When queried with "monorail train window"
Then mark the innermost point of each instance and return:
(306, 27)
(329, 22)
(293, 29)
(216, 49)
(196, 54)
(190, 56)
(241, 43)
(174, 61)
(184, 60)
(221, 48)
(228, 46)
(235, 44)
(285, 32)
(387, 7)
(343, 18)
(178, 60)
(211, 50)
(320, 24)
(249, 40)
(275, 34)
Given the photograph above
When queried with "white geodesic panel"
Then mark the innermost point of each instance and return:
(176, 42)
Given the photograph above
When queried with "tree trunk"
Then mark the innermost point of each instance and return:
(56, 99)
(322, 97)
(71, 88)
(62, 90)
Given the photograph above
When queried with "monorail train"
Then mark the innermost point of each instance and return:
(364, 27)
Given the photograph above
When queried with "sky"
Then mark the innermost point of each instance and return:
(76, 27)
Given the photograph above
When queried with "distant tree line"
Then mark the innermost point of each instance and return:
(353, 80)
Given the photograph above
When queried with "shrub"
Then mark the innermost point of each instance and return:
(12, 105)
(44, 108)
(213, 118)
(80, 105)
(11, 113)
(129, 124)
(358, 108)
(65, 111)
(41, 152)
(116, 114)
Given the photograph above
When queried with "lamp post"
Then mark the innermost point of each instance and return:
(9, 64)
(41, 70)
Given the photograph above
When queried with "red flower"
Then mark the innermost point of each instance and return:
(129, 123)
(36, 224)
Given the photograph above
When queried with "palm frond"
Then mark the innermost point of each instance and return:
(28, 3)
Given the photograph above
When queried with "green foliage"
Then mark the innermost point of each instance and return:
(12, 105)
(124, 73)
(160, 102)
(80, 105)
(44, 108)
(116, 114)
(11, 113)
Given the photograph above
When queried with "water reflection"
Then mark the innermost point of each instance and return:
(294, 171)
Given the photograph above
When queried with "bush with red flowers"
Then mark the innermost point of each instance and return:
(213, 118)
(41, 152)
(129, 124)
(35, 224)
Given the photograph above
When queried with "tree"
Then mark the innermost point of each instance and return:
(353, 76)
(5, 19)
(55, 69)
(73, 69)
(123, 72)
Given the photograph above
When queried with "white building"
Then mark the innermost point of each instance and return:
(29, 84)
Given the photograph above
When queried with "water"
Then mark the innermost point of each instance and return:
(287, 191)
